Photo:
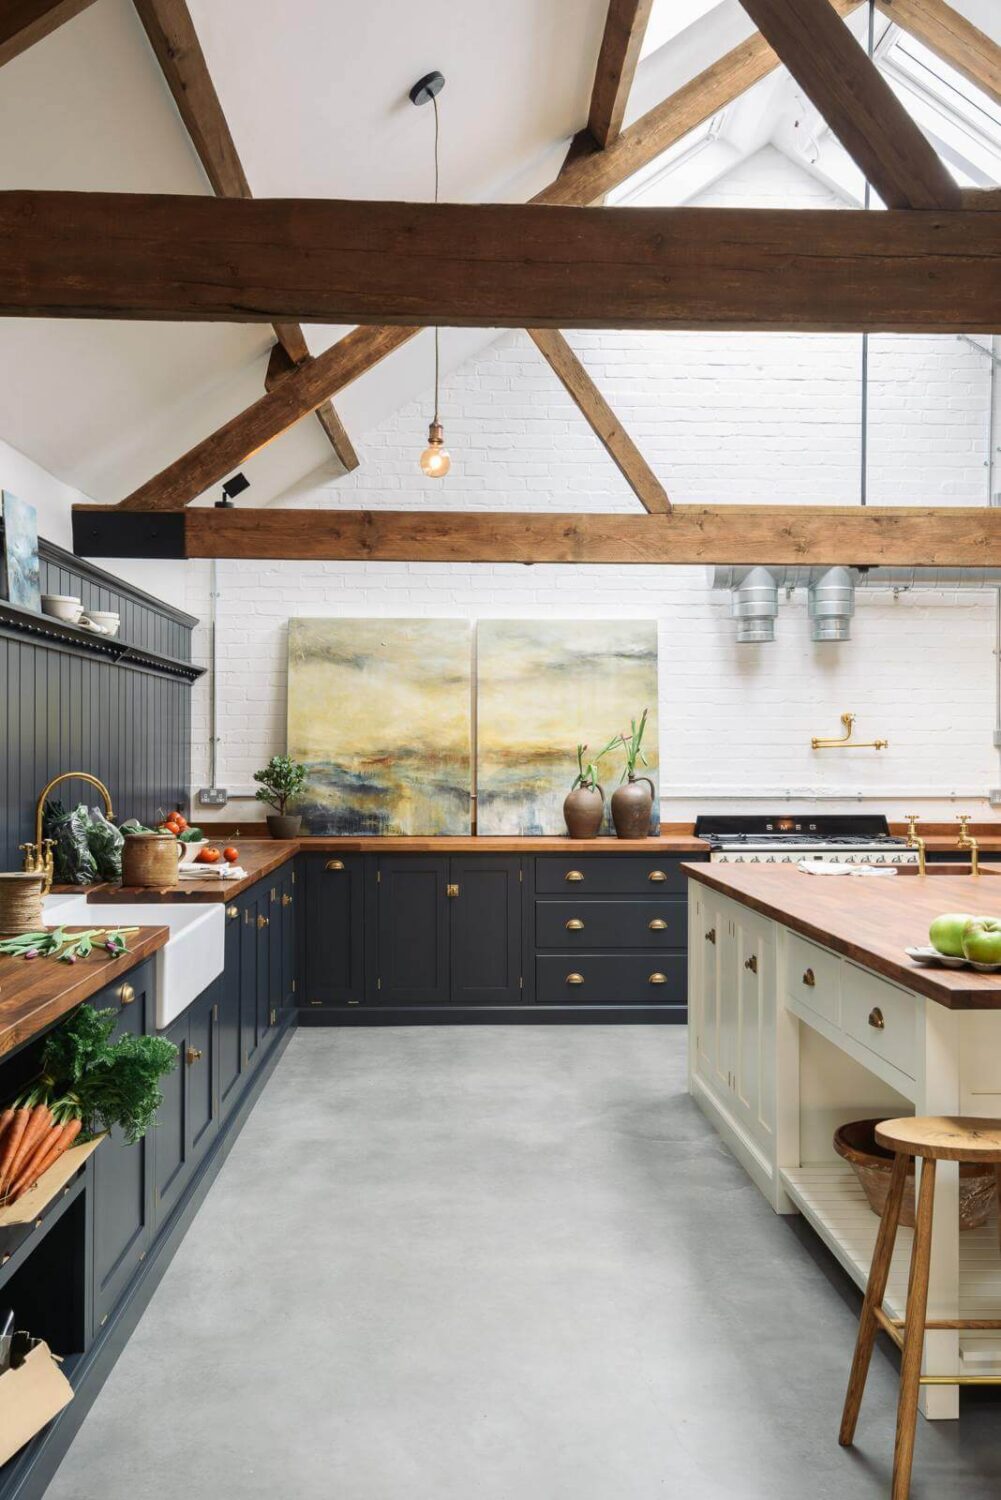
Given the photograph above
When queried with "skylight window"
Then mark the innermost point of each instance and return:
(963, 122)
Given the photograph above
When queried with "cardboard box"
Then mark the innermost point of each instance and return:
(30, 1396)
(49, 1185)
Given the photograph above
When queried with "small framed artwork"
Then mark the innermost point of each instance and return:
(19, 574)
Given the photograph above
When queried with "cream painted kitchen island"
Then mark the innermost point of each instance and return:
(805, 1013)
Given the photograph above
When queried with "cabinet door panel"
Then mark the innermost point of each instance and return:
(201, 1067)
(288, 890)
(170, 1133)
(709, 934)
(334, 931)
(228, 1036)
(249, 966)
(413, 931)
(123, 1174)
(485, 934)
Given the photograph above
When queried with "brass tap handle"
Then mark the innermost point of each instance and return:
(912, 824)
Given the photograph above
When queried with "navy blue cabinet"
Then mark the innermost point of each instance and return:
(229, 1038)
(123, 1174)
(333, 929)
(412, 934)
(189, 1116)
(485, 930)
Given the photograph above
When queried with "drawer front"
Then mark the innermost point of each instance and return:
(880, 1017)
(813, 978)
(609, 875)
(576, 925)
(610, 979)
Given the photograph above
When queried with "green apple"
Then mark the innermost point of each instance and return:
(982, 940)
(946, 933)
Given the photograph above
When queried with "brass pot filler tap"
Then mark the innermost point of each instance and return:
(38, 858)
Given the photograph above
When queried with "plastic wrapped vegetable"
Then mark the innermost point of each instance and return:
(105, 841)
(70, 831)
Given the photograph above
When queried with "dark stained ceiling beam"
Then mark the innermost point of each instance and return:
(25, 22)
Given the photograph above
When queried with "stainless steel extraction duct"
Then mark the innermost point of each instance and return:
(832, 604)
(754, 603)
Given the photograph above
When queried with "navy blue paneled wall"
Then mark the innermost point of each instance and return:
(62, 708)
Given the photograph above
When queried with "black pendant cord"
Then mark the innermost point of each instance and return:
(434, 101)
(864, 418)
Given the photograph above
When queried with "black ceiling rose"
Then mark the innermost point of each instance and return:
(427, 88)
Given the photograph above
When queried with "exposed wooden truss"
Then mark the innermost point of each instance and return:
(856, 101)
(499, 265)
(175, 43)
(625, 27)
(601, 419)
(740, 534)
(300, 391)
(25, 22)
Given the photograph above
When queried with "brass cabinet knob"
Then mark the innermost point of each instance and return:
(876, 1019)
(451, 891)
(657, 979)
(575, 979)
(751, 963)
(262, 921)
(193, 1054)
(334, 864)
(809, 979)
(232, 912)
(126, 994)
(286, 899)
(575, 925)
(658, 925)
(656, 875)
(711, 935)
(574, 875)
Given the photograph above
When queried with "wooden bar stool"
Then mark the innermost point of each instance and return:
(934, 1140)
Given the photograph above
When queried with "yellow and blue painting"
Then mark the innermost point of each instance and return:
(19, 583)
(379, 712)
(545, 686)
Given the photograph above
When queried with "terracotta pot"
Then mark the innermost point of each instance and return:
(856, 1144)
(632, 806)
(150, 859)
(583, 811)
(284, 825)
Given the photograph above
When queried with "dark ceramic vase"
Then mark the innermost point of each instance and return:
(583, 810)
(632, 806)
(284, 825)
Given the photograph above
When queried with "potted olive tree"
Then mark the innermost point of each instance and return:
(281, 781)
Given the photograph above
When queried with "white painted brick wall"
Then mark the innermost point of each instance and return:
(721, 417)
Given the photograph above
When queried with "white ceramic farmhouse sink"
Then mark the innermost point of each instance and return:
(192, 958)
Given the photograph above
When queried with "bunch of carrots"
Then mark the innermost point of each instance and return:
(33, 1135)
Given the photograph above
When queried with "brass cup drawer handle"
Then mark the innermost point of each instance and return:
(809, 979)
(574, 875)
(334, 864)
(656, 875)
(193, 1055)
(751, 963)
(262, 921)
(232, 912)
(126, 994)
(657, 925)
(876, 1020)
(711, 935)
(575, 925)
(575, 979)
(657, 979)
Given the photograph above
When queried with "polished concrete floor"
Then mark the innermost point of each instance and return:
(488, 1263)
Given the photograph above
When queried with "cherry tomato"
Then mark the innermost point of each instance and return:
(208, 856)
(179, 819)
(231, 853)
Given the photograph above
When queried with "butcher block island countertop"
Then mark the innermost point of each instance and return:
(34, 993)
(871, 920)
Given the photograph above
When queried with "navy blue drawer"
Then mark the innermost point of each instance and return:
(582, 924)
(580, 874)
(611, 979)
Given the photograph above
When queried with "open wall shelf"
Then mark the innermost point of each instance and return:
(45, 630)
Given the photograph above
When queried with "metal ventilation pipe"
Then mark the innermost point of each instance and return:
(730, 577)
(754, 605)
(832, 604)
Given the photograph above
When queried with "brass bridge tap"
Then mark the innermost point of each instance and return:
(38, 856)
(914, 841)
(967, 841)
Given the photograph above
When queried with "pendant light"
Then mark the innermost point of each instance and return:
(436, 460)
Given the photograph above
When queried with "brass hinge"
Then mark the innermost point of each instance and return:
(316, 1002)
(293, 986)
(273, 896)
(354, 1002)
(378, 877)
(293, 877)
(521, 875)
(521, 981)
(378, 984)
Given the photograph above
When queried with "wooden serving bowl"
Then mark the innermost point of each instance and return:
(856, 1144)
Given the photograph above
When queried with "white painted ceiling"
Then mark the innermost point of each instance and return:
(316, 96)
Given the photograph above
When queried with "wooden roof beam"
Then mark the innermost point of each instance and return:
(856, 101)
(625, 27)
(854, 536)
(952, 38)
(172, 35)
(601, 419)
(25, 22)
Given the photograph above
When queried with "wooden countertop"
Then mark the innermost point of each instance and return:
(871, 921)
(257, 857)
(34, 993)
